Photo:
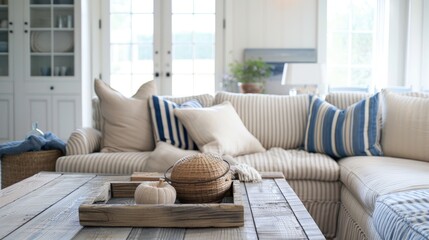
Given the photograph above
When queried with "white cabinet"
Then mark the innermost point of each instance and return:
(41, 69)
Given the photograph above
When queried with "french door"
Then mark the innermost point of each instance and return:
(174, 42)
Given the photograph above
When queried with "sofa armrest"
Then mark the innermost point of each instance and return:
(84, 141)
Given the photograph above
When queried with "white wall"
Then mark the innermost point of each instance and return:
(269, 24)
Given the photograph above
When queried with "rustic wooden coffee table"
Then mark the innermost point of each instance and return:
(45, 206)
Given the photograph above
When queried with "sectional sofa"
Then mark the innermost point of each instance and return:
(352, 181)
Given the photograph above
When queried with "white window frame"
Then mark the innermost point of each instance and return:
(162, 43)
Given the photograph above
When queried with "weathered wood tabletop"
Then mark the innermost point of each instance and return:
(45, 206)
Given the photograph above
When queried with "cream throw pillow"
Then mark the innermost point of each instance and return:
(127, 121)
(218, 130)
(405, 128)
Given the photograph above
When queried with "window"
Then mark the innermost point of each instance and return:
(350, 42)
(131, 44)
(172, 42)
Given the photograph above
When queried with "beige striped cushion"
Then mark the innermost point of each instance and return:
(295, 164)
(369, 177)
(276, 121)
(344, 99)
(111, 163)
(354, 222)
(322, 200)
(206, 100)
(405, 129)
(97, 118)
(83, 141)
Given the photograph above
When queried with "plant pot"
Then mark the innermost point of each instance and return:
(251, 87)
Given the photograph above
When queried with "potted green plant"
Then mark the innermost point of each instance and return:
(250, 74)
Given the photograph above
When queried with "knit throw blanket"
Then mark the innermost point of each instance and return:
(244, 172)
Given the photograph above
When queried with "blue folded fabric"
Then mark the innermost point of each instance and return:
(33, 143)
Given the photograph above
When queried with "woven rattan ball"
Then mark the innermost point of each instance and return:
(201, 178)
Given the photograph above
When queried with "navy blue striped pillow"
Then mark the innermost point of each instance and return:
(354, 131)
(167, 127)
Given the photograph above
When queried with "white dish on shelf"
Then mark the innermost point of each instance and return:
(41, 41)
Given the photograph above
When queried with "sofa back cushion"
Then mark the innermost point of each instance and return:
(342, 100)
(405, 129)
(276, 121)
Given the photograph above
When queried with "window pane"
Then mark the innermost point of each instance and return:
(361, 48)
(120, 6)
(120, 28)
(204, 51)
(139, 79)
(204, 66)
(193, 47)
(338, 14)
(202, 32)
(142, 28)
(120, 58)
(183, 66)
(183, 85)
(338, 76)
(204, 6)
(142, 59)
(131, 44)
(338, 48)
(363, 15)
(121, 83)
(204, 83)
(142, 6)
(182, 51)
(361, 76)
(182, 6)
(182, 27)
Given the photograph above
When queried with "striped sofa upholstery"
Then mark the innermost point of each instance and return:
(342, 209)
(392, 218)
(313, 176)
(112, 163)
(276, 121)
(83, 146)
(279, 122)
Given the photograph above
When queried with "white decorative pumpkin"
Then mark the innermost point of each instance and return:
(155, 193)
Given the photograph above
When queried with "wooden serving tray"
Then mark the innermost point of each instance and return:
(109, 210)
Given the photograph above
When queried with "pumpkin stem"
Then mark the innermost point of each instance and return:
(161, 182)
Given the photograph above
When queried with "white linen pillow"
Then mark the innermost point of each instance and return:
(405, 128)
(218, 129)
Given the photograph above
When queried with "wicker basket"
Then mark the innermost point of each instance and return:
(200, 178)
(15, 168)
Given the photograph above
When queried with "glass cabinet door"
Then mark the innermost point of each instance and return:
(4, 38)
(51, 29)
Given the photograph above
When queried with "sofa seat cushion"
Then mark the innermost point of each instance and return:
(114, 163)
(403, 215)
(367, 178)
(295, 164)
